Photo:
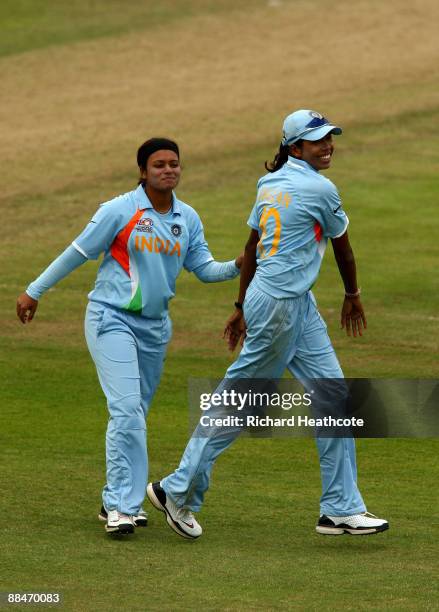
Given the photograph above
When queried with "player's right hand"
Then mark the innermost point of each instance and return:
(26, 307)
(235, 329)
(353, 317)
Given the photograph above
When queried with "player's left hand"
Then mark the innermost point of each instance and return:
(235, 329)
(353, 317)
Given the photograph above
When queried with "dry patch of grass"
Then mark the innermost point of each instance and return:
(212, 82)
(36, 24)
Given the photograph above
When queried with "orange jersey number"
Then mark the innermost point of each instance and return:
(266, 214)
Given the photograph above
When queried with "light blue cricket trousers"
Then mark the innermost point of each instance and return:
(128, 351)
(286, 333)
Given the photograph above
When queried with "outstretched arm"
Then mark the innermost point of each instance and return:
(235, 325)
(27, 302)
(352, 312)
(216, 271)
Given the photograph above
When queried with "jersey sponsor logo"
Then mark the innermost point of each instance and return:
(145, 225)
(156, 245)
(334, 210)
(176, 230)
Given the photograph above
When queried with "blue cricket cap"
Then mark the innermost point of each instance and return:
(307, 125)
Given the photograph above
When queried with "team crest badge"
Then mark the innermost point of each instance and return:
(176, 230)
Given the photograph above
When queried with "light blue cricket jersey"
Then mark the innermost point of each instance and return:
(296, 211)
(144, 251)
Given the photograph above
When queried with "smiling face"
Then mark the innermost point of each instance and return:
(162, 172)
(317, 153)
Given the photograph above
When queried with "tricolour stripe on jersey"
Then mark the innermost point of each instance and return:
(318, 231)
(135, 303)
(119, 248)
(318, 234)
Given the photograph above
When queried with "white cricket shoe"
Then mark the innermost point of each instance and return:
(119, 523)
(140, 519)
(181, 520)
(356, 524)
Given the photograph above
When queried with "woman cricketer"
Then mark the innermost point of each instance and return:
(147, 236)
(296, 211)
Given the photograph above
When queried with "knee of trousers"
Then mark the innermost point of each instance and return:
(125, 407)
(126, 423)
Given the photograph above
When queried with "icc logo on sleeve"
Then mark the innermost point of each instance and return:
(176, 230)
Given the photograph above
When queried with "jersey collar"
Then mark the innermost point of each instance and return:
(293, 162)
(143, 202)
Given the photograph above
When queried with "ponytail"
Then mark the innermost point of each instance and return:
(281, 156)
(279, 159)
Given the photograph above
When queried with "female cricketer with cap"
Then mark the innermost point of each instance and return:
(296, 211)
(147, 236)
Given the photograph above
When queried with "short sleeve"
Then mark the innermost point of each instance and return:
(253, 220)
(99, 234)
(198, 250)
(330, 213)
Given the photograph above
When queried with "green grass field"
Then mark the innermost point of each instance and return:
(84, 84)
